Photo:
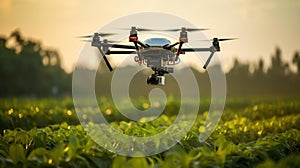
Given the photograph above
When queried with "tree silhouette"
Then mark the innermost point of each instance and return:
(296, 61)
(278, 67)
(260, 68)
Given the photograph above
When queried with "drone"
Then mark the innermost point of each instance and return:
(157, 53)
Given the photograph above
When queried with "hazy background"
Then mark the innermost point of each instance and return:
(38, 44)
(260, 25)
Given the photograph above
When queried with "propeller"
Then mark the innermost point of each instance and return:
(108, 41)
(139, 29)
(185, 29)
(222, 39)
(170, 30)
(100, 34)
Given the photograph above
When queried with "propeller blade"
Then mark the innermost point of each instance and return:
(171, 30)
(106, 34)
(187, 29)
(194, 29)
(86, 40)
(87, 36)
(222, 39)
(227, 39)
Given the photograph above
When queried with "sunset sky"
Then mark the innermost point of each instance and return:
(259, 25)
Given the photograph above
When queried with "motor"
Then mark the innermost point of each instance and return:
(155, 79)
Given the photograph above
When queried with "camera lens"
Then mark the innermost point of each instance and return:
(156, 80)
(152, 80)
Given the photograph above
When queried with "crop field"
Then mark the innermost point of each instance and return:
(253, 132)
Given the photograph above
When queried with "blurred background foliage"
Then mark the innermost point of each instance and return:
(28, 69)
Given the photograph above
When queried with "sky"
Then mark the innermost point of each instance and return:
(259, 25)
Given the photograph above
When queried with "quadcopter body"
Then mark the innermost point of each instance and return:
(159, 54)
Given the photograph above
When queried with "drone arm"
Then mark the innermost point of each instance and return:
(168, 47)
(179, 50)
(137, 50)
(121, 46)
(142, 44)
(119, 52)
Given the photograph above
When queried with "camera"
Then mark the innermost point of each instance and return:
(155, 79)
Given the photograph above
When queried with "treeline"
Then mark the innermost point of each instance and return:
(277, 79)
(29, 69)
